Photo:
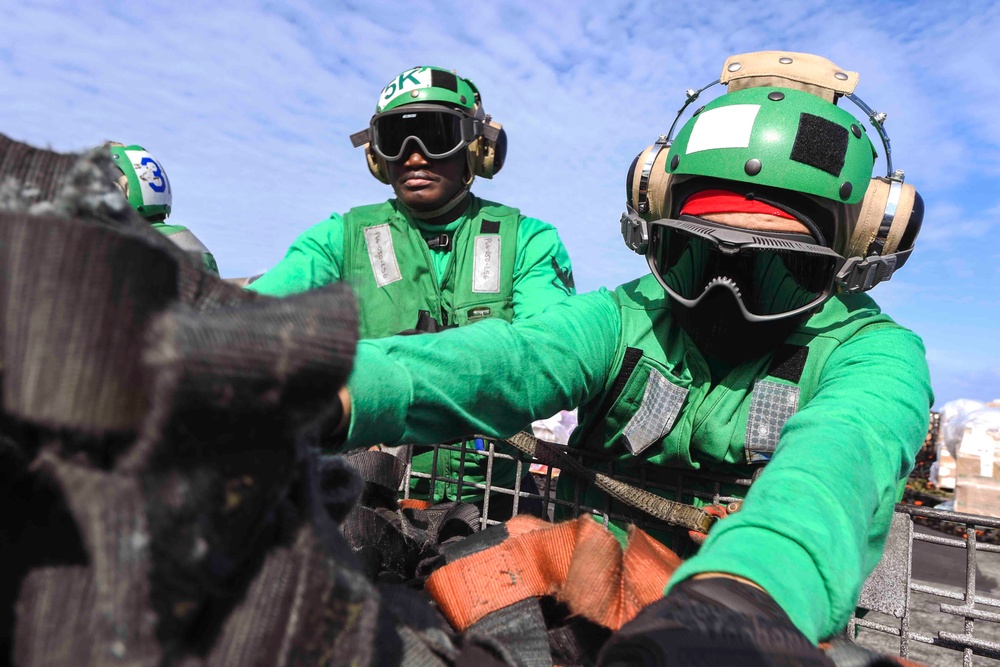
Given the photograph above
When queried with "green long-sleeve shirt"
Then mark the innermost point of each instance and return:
(811, 528)
(542, 271)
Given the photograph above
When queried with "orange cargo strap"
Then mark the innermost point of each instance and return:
(414, 503)
(578, 562)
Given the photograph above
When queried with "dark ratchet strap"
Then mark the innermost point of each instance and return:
(668, 511)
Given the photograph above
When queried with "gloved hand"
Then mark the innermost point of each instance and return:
(713, 621)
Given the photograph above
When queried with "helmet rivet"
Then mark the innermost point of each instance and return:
(674, 161)
(462, 99)
(840, 75)
(752, 167)
(734, 67)
(415, 93)
(785, 61)
(699, 110)
(845, 190)
(776, 96)
(855, 130)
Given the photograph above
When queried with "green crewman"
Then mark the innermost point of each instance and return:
(145, 184)
(750, 348)
(435, 256)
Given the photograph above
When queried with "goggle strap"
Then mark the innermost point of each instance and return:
(486, 130)
(635, 231)
(861, 275)
(359, 139)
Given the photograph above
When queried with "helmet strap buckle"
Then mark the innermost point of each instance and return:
(860, 275)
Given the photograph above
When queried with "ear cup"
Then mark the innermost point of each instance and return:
(500, 151)
(376, 165)
(648, 185)
(890, 218)
(488, 156)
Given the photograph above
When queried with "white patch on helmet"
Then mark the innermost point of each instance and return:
(153, 181)
(404, 84)
(724, 127)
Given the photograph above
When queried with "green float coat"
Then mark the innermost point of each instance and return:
(535, 273)
(540, 274)
(388, 309)
(813, 525)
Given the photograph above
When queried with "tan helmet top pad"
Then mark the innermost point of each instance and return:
(787, 69)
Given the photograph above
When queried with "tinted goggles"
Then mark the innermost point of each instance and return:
(771, 275)
(438, 132)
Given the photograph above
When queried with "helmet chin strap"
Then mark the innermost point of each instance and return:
(451, 203)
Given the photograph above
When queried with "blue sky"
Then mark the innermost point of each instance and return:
(248, 105)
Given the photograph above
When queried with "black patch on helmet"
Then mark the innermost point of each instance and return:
(446, 80)
(820, 143)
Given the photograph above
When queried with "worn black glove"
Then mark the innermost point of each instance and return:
(714, 621)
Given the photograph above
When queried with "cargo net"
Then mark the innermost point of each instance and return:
(933, 599)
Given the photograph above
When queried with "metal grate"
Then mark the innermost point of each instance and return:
(890, 588)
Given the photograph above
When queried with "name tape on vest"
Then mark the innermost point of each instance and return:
(661, 403)
(771, 405)
(486, 266)
(382, 254)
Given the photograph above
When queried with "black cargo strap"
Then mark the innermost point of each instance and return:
(378, 468)
(520, 629)
(667, 511)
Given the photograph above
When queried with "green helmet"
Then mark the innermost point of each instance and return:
(429, 84)
(143, 181)
(777, 137)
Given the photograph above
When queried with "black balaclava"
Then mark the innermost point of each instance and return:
(719, 330)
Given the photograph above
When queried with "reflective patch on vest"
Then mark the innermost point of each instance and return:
(382, 254)
(770, 407)
(661, 403)
(486, 266)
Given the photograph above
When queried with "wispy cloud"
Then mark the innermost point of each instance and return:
(249, 105)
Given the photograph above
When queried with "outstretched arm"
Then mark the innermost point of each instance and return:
(490, 377)
(314, 260)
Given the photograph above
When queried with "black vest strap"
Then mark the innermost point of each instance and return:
(439, 242)
(788, 362)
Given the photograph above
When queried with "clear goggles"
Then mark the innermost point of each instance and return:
(438, 132)
(772, 275)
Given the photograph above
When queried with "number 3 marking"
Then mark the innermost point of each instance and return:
(157, 175)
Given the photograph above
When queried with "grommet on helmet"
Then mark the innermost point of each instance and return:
(143, 181)
(427, 88)
(779, 127)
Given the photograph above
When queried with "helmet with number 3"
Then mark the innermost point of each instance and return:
(143, 181)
